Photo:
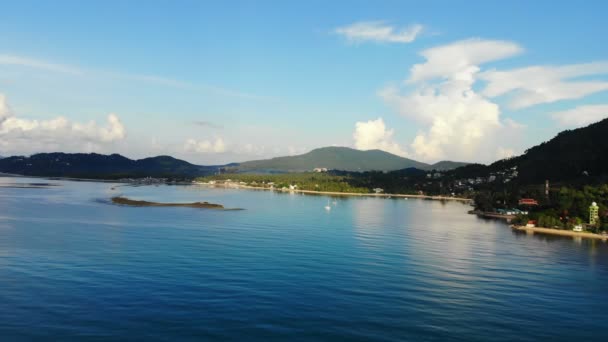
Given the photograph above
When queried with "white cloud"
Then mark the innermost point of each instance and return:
(5, 110)
(294, 150)
(379, 31)
(25, 136)
(542, 84)
(458, 123)
(503, 153)
(581, 116)
(457, 59)
(373, 134)
(205, 146)
(28, 62)
(38, 64)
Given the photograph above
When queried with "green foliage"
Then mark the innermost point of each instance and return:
(549, 221)
(484, 201)
(339, 158)
(304, 181)
(520, 220)
(93, 165)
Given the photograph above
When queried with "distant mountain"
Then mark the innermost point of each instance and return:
(340, 158)
(80, 165)
(445, 165)
(572, 154)
(114, 166)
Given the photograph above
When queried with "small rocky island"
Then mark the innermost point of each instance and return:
(127, 201)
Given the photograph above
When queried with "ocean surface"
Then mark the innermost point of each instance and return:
(73, 266)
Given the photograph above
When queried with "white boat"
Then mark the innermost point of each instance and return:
(328, 207)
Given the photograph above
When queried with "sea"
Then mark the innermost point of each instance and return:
(74, 266)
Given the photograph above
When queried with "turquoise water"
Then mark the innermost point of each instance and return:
(74, 267)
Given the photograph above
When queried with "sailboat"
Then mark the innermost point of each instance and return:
(328, 207)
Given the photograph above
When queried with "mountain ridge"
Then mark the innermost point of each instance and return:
(341, 158)
(93, 165)
(113, 166)
(572, 154)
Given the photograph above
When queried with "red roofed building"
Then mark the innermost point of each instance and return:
(528, 201)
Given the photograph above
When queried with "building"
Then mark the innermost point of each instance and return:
(378, 190)
(320, 169)
(593, 214)
(527, 201)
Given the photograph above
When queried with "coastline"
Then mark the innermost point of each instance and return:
(310, 192)
(561, 232)
(488, 214)
(349, 194)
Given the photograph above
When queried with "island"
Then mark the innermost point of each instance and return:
(136, 203)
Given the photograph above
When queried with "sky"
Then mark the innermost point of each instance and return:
(229, 81)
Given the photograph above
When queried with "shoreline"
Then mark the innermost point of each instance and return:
(310, 192)
(560, 232)
(487, 214)
(349, 194)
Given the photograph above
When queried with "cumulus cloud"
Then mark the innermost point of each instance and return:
(379, 31)
(461, 58)
(5, 110)
(458, 122)
(373, 134)
(205, 146)
(294, 150)
(25, 136)
(542, 84)
(581, 116)
(503, 153)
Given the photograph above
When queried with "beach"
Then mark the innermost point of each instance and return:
(333, 193)
(553, 231)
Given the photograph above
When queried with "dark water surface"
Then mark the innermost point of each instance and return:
(74, 267)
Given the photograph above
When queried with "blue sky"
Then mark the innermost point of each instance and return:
(231, 81)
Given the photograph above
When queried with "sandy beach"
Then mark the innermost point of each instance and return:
(561, 232)
(330, 193)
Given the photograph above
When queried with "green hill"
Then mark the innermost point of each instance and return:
(576, 154)
(93, 165)
(581, 152)
(445, 165)
(336, 158)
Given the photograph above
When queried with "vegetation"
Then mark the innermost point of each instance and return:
(136, 203)
(578, 157)
(339, 158)
(92, 165)
(115, 166)
(304, 181)
(575, 162)
(564, 208)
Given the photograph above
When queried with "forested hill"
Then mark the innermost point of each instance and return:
(81, 165)
(92, 165)
(572, 155)
(340, 158)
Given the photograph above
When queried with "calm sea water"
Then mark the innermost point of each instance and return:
(74, 267)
